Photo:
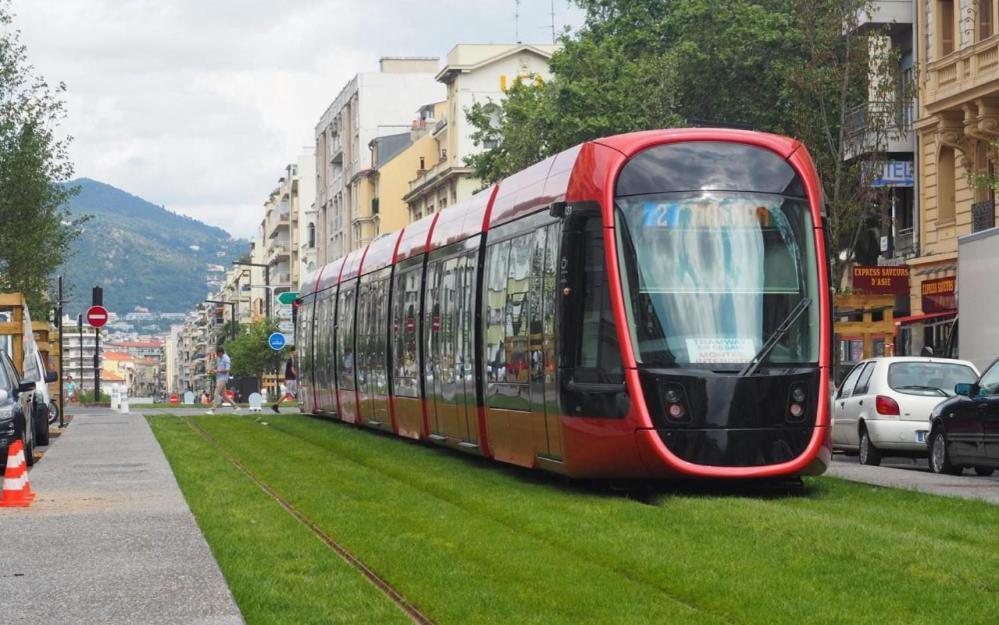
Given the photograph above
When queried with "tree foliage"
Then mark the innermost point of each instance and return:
(793, 67)
(36, 229)
(250, 353)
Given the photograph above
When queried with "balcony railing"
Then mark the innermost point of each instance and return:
(890, 118)
(983, 216)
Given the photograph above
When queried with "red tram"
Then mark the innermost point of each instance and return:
(649, 305)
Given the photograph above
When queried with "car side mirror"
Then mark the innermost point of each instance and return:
(51, 376)
(966, 389)
(25, 387)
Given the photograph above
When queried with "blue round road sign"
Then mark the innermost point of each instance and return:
(276, 341)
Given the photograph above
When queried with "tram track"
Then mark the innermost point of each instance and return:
(390, 592)
(523, 529)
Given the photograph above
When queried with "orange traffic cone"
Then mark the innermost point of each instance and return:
(16, 489)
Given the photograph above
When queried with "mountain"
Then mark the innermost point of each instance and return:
(141, 253)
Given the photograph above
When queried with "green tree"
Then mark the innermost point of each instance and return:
(37, 229)
(250, 353)
(794, 67)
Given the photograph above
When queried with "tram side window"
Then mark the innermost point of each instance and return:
(345, 338)
(508, 297)
(407, 371)
(599, 356)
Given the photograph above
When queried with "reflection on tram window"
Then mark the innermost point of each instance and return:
(711, 275)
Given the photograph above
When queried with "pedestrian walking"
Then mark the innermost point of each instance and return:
(70, 389)
(222, 365)
(290, 381)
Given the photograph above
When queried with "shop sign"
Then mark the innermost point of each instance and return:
(939, 295)
(881, 280)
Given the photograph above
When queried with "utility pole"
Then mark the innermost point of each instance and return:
(62, 355)
(516, 20)
(79, 330)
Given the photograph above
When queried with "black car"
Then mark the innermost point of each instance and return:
(964, 429)
(15, 411)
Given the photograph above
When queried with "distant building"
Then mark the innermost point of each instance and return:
(475, 73)
(371, 104)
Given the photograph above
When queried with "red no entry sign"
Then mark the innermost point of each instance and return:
(97, 316)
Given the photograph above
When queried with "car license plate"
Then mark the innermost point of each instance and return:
(920, 437)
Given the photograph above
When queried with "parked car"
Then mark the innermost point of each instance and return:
(15, 411)
(965, 428)
(43, 409)
(883, 406)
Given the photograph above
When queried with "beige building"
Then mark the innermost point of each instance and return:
(958, 123)
(474, 73)
(395, 160)
(370, 105)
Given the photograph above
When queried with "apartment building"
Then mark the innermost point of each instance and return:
(474, 73)
(79, 345)
(957, 129)
(370, 105)
(303, 208)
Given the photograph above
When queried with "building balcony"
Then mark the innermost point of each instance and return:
(880, 127)
(439, 127)
(891, 14)
(960, 72)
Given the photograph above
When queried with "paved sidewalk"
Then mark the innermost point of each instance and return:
(967, 486)
(109, 539)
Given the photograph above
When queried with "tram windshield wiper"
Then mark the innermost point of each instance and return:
(775, 338)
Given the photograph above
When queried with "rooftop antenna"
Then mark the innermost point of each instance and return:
(553, 22)
(516, 19)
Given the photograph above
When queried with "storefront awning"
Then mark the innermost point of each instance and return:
(901, 321)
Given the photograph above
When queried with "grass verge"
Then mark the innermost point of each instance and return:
(475, 542)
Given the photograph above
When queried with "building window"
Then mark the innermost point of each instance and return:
(945, 185)
(312, 235)
(945, 11)
(985, 19)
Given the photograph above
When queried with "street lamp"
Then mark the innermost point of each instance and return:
(232, 332)
(267, 282)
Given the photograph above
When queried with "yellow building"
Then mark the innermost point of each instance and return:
(957, 127)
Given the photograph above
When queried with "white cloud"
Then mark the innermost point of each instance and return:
(199, 104)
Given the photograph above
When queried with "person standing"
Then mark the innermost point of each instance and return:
(222, 365)
(290, 381)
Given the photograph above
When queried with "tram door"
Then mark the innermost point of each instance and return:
(450, 373)
(543, 365)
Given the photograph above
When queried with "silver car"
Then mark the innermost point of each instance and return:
(884, 404)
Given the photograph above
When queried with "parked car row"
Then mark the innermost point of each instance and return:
(935, 408)
(24, 406)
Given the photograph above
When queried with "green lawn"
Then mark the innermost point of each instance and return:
(473, 542)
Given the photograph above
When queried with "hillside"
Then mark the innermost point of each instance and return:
(141, 253)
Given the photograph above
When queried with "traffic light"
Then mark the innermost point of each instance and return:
(97, 297)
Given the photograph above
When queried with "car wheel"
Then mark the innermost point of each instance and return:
(984, 471)
(42, 425)
(27, 441)
(869, 454)
(939, 458)
(53, 412)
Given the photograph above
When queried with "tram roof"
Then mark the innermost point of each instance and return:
(352, 264)
(309, 283)
(381, 252)
(631, 143)
(330, 275)
(415, 238)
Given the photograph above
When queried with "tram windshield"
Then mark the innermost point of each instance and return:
(709, 277)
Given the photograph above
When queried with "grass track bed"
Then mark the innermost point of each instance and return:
(472, 542)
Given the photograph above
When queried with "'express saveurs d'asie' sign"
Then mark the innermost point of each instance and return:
(881, 280)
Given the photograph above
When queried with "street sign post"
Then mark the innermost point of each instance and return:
(97, 316)
(286, 327)
(276, 341)
(287, 297)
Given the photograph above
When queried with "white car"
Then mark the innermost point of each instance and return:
(884, 404)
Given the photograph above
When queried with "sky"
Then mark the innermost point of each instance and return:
(198, 105)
